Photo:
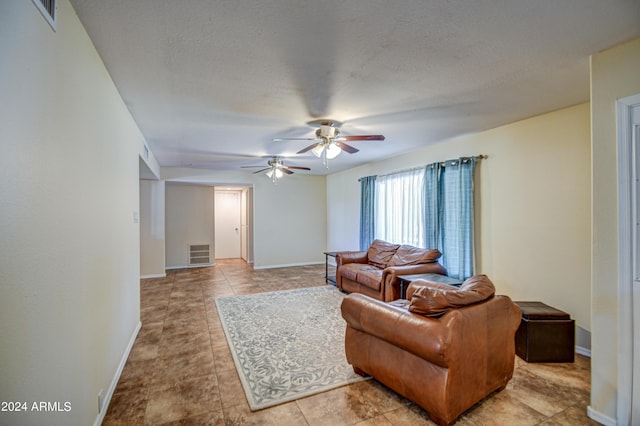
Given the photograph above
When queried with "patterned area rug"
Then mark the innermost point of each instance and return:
(287, 344)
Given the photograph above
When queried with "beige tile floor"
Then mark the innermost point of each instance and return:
(180, 370)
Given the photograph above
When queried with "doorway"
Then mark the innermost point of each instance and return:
(228, 219)
(628, 111)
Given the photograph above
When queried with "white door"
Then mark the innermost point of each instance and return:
(227, 224)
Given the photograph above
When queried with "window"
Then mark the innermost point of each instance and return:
(399, 207)
(430, 207)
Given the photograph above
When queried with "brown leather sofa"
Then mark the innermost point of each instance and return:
(375, 272)
(443, 348)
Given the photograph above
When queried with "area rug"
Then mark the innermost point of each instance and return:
(287, 344)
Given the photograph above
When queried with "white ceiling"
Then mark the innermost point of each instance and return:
(211, 83)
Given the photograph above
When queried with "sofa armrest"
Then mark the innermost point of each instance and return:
(398, 326)
(390, 276)
(344, 257)
(424, 268)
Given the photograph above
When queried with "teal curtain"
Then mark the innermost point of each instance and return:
(367, 211)
(432, 209)
(456, 217)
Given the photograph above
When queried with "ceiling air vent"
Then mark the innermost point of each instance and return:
(48, 9)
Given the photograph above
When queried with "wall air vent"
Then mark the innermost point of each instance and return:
(49, 9)
(199, 254)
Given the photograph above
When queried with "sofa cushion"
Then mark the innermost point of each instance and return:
(410, 255)
(370, 277)
(350, 270)
(430, 300)
(380, 253)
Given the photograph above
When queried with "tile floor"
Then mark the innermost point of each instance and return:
(180, 370)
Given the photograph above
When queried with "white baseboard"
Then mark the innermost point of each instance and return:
(203, 265)
(146, 277)
(583, 351)
(288, 265)
(600, 418)
(116, 378)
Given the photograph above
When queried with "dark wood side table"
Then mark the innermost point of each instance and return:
(329, 279)
(405, 280)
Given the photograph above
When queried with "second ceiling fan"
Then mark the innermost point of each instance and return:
(328, 141)
(276, 168)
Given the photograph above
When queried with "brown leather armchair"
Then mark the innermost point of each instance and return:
(443, 348)
(375, 271)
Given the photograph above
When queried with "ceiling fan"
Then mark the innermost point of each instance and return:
(276, 168)
(328, 142)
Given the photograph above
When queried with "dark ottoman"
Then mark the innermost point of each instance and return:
(545, 334)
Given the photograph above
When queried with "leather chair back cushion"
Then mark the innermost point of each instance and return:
(409, 255)
(434, 301)
(380, 253)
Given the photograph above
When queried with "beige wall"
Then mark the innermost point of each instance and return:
(152, 226)
(289, 219)
(189, 220)
(533, 207)
(69, 245)
(615, 74)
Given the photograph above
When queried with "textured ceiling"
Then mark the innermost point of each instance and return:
(211, 83)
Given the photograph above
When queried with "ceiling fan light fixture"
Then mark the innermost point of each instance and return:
(328, 143)
(333, 151)
(317, 151)
(327, 131)
(274, 173)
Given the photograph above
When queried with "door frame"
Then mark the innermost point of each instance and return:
(626, 198)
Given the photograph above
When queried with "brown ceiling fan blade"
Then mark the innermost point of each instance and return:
(347, 148)
(310, 147)
(298, 168)
(294, 139)
(263, 170)
(286, 170)
(363, 138)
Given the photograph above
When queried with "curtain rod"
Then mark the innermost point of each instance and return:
(475, 157)
(443, 163)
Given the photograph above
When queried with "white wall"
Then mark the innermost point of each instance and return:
(614, 75)
(152, 239)
(69, 247)
(189, 221)
(532, 207)
(289, 219)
